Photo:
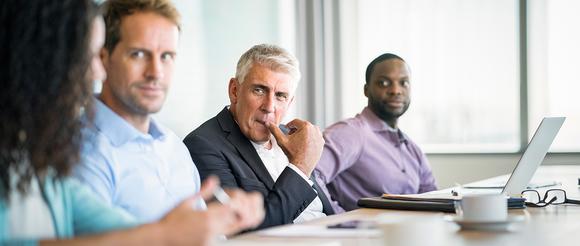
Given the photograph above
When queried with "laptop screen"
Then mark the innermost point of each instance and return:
(533, 155)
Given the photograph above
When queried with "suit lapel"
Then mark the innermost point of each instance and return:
(244, 147)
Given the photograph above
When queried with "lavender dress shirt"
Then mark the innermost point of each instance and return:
(364, 157)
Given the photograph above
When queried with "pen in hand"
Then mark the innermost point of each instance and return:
(221, 196)
(287, 130)
(210, 188)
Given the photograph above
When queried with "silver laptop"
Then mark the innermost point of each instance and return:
(531, 158)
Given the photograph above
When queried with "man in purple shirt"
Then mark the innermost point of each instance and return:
(368, 155)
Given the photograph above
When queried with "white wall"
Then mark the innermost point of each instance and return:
(214, 35)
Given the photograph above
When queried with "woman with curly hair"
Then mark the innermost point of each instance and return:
(50, 52)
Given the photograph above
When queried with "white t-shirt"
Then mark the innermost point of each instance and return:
(29, 215)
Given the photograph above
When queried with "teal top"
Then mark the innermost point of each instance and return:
(75, 211)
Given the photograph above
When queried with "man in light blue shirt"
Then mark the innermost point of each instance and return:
(128, 159)
(146, 174)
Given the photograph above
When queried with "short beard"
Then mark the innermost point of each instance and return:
(131, 104)
(390, 117)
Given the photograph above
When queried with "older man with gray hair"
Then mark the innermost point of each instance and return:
(247, 148)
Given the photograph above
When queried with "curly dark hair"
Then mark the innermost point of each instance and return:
(44, 52)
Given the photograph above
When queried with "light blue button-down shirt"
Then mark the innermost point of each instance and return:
(145, 174)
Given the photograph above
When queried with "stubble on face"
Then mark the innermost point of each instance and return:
(141, 65)
(263, 98)
(388, 91)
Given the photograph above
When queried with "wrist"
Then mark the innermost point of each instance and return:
(299, 163)
(158, 234)
(303, 172)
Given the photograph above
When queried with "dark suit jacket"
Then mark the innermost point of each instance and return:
(218, 147)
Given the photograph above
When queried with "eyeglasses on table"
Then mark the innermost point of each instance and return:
(552, 196)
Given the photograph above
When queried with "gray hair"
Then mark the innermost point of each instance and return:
(271, 56)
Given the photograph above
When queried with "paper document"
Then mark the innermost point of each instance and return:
(435, 201)
(317, 231)
(501, 184)
(433, 197)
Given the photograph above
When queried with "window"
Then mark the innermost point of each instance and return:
(464, 65)
(554, 59)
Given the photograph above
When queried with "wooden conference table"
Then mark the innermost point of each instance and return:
(551, 225)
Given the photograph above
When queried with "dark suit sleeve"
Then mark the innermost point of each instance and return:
(289, 196)
(209, 160)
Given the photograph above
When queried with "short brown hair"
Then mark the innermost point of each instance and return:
(115, 10)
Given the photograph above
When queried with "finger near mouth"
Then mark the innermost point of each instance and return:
(261, 122)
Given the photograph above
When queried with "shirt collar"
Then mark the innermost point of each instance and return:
(258, 146)
(118, 130)
(378, 125)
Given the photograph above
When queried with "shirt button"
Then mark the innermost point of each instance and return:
(403, 170)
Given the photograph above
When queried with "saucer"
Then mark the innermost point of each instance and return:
(502, 225)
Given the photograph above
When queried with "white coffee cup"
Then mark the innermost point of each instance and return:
(412, 230)
(482, 208)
